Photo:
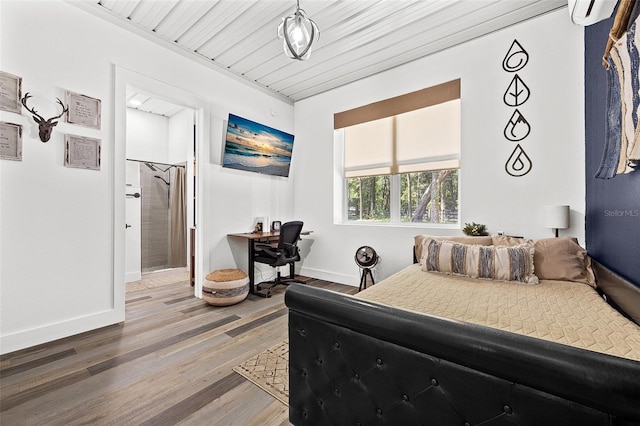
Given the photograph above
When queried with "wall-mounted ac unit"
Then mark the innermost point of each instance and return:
(587, 12)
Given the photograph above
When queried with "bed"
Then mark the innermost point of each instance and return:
(555, 341)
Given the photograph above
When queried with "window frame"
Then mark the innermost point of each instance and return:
(404, 103)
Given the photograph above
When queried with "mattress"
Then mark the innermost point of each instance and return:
(564, 312)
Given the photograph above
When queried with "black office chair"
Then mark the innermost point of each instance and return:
(286, 252)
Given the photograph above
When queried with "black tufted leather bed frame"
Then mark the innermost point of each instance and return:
(354, 362)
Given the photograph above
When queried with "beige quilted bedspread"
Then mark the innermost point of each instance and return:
(560, 311)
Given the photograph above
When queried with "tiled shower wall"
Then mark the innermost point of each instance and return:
(155, 219)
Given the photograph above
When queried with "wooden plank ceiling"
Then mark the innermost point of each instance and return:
(358, 38)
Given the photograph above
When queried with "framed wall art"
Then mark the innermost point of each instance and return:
(254, 147)
(10, 141)
(82, 152)
(10, 92)
(84, 110)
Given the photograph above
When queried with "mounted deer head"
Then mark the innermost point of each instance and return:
(45, 127)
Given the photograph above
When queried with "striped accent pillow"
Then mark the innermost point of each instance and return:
(489, 262)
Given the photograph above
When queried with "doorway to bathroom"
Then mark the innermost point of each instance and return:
(160, 206)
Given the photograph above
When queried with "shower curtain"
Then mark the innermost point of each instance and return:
(178, 219)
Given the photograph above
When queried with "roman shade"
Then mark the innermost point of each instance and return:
(416, 132)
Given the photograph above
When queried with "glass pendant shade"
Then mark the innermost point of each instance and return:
(298, 33)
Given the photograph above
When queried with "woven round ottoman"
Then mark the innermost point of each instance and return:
(225, 287)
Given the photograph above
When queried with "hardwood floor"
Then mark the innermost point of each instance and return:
(169, 363)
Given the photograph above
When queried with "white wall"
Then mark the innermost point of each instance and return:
(180, 146)
(147, 136)
(62, 229)
(156, 138)
(555, 111)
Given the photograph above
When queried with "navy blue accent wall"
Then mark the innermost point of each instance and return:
(612, 206)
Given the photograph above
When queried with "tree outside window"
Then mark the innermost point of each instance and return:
(425, 197)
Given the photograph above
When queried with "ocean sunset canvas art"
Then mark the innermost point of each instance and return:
(254, 147)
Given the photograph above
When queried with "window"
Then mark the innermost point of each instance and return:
(425, 197)
(429, 197)
(401, 158)
(369, 198)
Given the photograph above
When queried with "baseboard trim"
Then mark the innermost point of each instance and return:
(50, 332)
(132, 276)
(320, 274)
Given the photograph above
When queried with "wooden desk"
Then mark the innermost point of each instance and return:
(252, 238)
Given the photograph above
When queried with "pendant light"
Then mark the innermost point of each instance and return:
(298, 33)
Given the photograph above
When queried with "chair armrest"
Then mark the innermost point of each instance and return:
(267, 248)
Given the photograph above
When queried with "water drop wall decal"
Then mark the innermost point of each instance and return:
(516, 58)
(517, 93)
(517, 127)
(519, 163)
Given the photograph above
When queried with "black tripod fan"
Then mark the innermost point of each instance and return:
(366, 258)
